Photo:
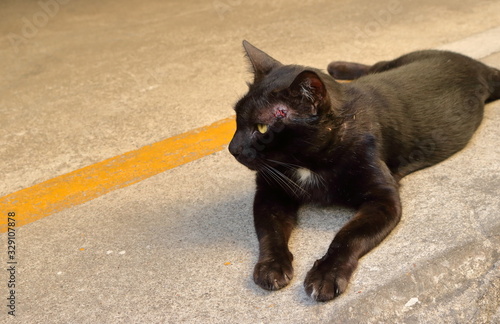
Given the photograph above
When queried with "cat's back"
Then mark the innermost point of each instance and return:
(431, 84)
(418, 94)
(426, 73)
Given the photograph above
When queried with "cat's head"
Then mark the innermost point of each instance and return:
(286, 114)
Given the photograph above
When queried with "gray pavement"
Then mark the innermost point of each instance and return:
(83, 81)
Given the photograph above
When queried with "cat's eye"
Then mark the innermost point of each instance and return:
(262, 128)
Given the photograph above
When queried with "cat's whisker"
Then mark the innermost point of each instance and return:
(278, 178)
(284, 181)
(266, 177)
(272, 178)
(286, 164)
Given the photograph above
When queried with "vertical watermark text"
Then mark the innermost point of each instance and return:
(11, 264)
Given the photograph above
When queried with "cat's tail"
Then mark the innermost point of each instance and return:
(495, 85)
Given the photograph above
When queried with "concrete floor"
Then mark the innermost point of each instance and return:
(83, 81)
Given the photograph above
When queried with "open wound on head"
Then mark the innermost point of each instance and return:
(280, 111)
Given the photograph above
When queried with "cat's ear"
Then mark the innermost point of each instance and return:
(309, 86)
(261, 62)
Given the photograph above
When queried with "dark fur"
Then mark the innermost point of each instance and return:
(358, 139)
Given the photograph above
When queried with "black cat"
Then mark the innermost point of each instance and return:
(314, 140)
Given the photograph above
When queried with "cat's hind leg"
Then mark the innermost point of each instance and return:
(341, 70)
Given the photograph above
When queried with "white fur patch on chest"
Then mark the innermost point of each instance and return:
(305, 177)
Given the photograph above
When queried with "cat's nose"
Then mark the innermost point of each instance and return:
(236, 145)
(243, 154)
(235, 149)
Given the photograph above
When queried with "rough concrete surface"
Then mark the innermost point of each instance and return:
(83, 81)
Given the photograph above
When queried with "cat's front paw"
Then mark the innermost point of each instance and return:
(325, 281)
(273, 274)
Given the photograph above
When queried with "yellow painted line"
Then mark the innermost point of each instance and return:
(90, 182)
